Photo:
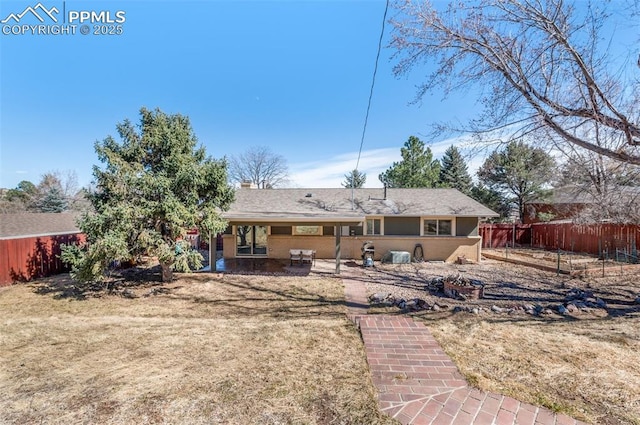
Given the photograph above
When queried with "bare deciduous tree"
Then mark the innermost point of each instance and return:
(541, 65)
(607, 189)
(259, 166)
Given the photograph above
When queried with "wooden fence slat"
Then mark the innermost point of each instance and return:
(27, 258)
(590, 239)
(499, 235)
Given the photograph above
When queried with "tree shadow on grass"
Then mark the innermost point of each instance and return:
(224, 295)
(120, 282)
(240, 296)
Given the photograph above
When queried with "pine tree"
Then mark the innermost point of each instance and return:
(355, 179)
(52, 201)
(416, 169)
(454, 172)
(520, 173)
(155, 185)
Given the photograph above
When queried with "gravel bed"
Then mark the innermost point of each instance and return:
(505, 285)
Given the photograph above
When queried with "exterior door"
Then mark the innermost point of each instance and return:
(251, 241)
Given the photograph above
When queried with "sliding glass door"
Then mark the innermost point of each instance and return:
(251, 241)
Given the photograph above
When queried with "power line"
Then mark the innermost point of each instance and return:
(373, 82)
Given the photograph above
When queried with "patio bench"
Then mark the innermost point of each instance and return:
(301, 256)
(308, 255)
(295, 255)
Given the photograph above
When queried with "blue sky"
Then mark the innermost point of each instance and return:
(292, 75)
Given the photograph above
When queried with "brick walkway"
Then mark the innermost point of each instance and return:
(417, 381)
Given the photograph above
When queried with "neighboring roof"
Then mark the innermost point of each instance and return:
(335, 204)
(14, 226)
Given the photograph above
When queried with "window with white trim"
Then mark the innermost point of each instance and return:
(438, 227)
(374, 226)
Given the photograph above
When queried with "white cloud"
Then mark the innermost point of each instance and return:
(329, 172)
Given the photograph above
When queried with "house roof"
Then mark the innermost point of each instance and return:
(22, 225)
(335, 205)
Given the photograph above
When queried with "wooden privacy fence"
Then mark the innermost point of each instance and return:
(596, 239)
(499, 235)
(614, 240)
(23, 259)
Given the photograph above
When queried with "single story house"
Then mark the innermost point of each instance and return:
(30, 244)
(335, 223)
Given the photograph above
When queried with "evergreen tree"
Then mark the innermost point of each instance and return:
(491, 199)
(22, 198)
(155, 185)
(519, 172)
(454, 172)
(416, 169)
(53, 201)
(355, 179)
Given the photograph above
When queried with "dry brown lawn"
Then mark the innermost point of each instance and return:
(201, 350)
(587, 369)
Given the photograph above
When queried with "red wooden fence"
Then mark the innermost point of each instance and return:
(591, 239)
(584, 238)
(499, 235)
(27, 258)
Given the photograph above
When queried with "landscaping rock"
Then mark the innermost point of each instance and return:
(528, 309)
(572, 308)
(497, 309)
(577, 293)
(379, 298)
(127, 293)
(563, 310)
(583, 300)
(415, 304)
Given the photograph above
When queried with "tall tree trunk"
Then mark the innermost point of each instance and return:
(167, 272)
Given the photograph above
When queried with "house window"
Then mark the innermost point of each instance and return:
(373, 226)
(307, 230)
(438, 227)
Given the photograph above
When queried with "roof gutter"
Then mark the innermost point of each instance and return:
(262, 219)
(41, 235)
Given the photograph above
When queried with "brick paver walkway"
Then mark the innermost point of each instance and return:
(417, 381)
